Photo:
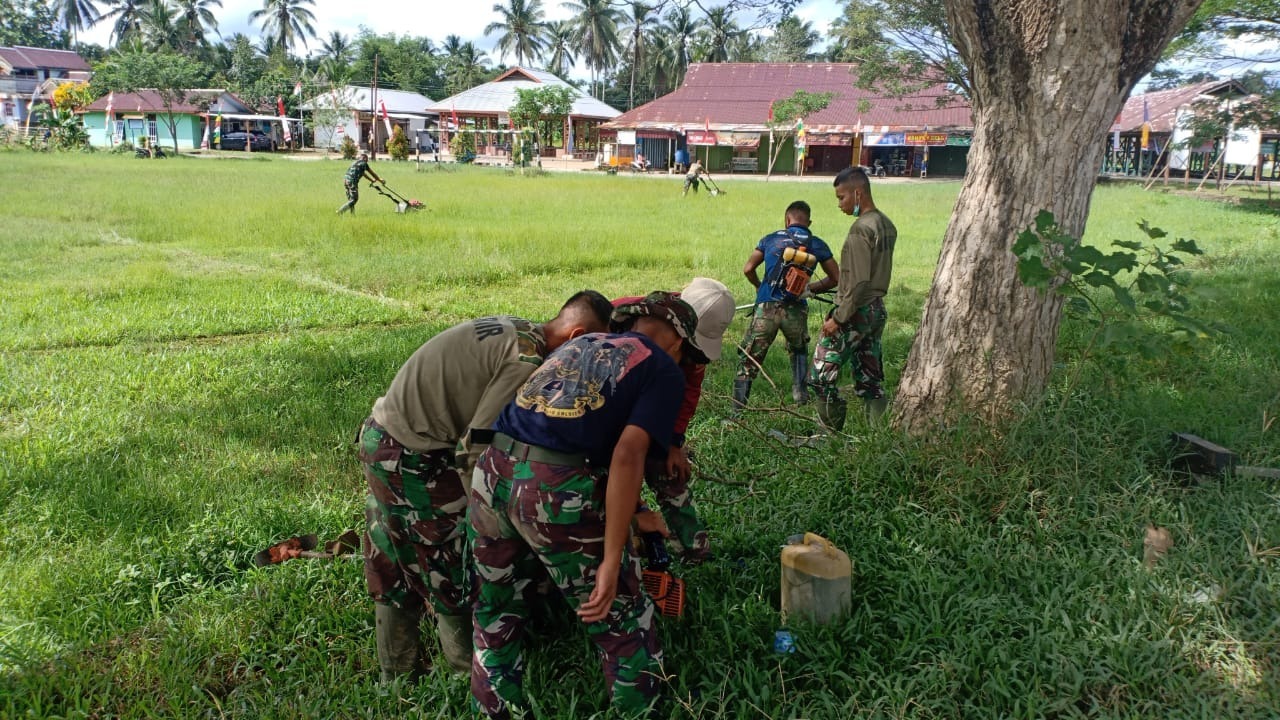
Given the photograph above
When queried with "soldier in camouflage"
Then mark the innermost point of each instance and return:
(434, 418)
(561, 482)
(852, 330)
(779, 308)
(351, 181)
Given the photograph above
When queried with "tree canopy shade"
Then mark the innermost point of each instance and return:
(1046, 82)
(31, 23)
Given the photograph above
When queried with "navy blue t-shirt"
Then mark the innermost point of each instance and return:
(772, 246)
(583, 395)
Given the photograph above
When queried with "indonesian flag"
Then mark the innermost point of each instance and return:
(770, 111)
(111, 129)
(454, 112)
(111, 104)
(284, 120)
(297, 88)
(386, 119)
(204, 142)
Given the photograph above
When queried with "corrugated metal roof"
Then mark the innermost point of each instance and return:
(29, 58)
(497, 96)
(151, 102)
(729, 96)
(354, 97)
(1162, 105)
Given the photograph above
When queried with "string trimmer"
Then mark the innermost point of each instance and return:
(303, 546)
(403, 204)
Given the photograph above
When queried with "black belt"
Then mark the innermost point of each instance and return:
(534, 453)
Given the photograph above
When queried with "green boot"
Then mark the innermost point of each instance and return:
(800, 378)
(741, 391)
(876, 408)
(399, 644)
(831, 411)
(455, 640)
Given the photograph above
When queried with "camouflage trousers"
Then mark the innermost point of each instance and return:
(770, 317)
(556, 514)
(415, 524)
(857, 344)
(676, 503)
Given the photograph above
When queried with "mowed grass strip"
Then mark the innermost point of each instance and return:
(187, 346)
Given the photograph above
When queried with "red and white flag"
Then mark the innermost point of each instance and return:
(284, 120)
(111, 119)
(454, 111)
(297, 88)
(386, 119)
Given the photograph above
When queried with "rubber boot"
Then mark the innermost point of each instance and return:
(399, 643)
(741, 391)
(831, 412)
(800, 378)
(455, 640)
(876, 408)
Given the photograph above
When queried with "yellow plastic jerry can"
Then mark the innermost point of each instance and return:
(817, 580)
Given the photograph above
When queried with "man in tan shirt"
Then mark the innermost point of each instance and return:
(851, 333)
(442, 402)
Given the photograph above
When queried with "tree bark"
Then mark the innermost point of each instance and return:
(1047, 79)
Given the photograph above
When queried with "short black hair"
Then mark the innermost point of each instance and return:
(592, 302)
(853, 174)
(798, 208)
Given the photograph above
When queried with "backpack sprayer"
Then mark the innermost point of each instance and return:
(665, 589)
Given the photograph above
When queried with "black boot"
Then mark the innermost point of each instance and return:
(741, 391)
(800, 378)
(832, 412)
(399, 643)
(876, 409)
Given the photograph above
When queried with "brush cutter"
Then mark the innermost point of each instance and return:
(303, 546)
(403, 204)
(665, 589)
(820, 297)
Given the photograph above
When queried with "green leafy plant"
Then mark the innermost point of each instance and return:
(348, 148)
(1143, 281)
(398, 145)
(463, 146)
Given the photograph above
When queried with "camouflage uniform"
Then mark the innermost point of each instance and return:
(792, 318)
(858, 344)
(351, 181)
(555, 513)
(415, 519)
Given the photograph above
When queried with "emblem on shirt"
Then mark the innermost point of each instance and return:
(574, 379)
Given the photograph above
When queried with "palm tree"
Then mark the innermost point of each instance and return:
(521, 28)
(465, 66)
(720, 31)
(662, 64)
(286, 21)
(128, 15)
(639, 21)
(76, 15)
(195, 19)
(561, 49)
(337, 54)
(681, 28)
(159, 26)
(596, 23)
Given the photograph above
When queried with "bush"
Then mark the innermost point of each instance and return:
(463, 146)
(398, 145)
(348, 148)
(123, 147)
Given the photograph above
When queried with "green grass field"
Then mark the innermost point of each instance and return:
(187, 346)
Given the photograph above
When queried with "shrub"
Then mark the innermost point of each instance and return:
(463, 146)
(347, 147)
(398, 145)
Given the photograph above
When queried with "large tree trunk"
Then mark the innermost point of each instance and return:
(1048, 79)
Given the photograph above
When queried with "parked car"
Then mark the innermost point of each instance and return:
(236, 141)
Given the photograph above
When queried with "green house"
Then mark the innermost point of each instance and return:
(143, 114)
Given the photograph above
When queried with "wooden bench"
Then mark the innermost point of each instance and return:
(744, 164)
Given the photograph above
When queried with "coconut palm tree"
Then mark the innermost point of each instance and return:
(561, 48)
(681, 28)
(638, 21)
(159, 26)
(195, 19)
(465, 65)
(337, 53)
(128, 18)
(596, 23)
(718, 34)
(75, 15)
(662, 64)
(286, 21)
(521, 27)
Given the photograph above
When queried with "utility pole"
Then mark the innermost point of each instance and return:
(373, 104)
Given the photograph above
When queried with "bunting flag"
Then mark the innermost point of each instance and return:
(770, 111)
(1146, 126)
(217, 131)
(454, 112)
(284, 120)
(35, 97)
(386, 119)
(204, 141)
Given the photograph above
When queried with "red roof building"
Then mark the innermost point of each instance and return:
(722, 112)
